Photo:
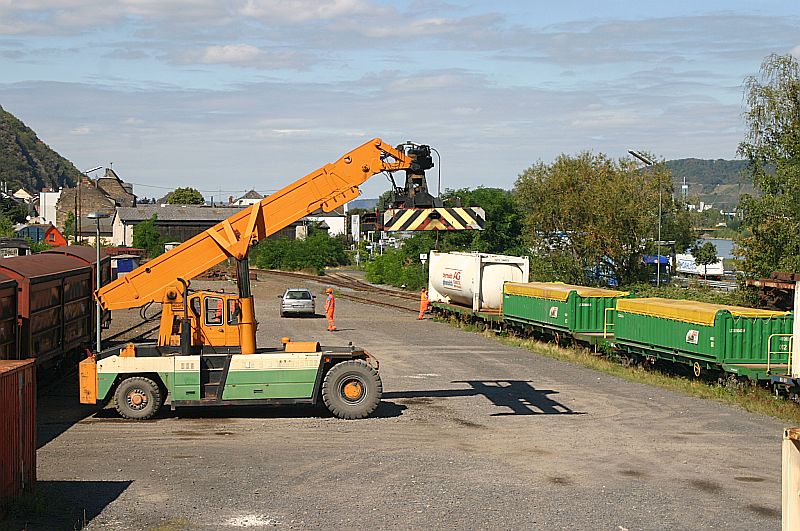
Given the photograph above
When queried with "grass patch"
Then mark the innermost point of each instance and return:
(749, 397)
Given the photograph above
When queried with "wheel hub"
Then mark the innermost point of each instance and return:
(353, 390)
(137, 399)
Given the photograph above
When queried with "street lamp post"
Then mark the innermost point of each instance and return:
(649, 162)
(98, 216)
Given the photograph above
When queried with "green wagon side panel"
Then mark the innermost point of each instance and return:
(552, 313)
(738, 344)
(668, 336)
(746, 339)
(577, 314)
(282, 383)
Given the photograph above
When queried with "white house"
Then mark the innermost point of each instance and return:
(47, 206)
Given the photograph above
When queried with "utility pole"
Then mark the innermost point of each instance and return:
(650, 163)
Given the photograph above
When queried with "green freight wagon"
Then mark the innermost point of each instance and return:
(552, 307)
(743, 341)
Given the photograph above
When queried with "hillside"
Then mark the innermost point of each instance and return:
(26, 161)
(717, 182)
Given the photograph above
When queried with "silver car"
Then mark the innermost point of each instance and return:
(298, 301)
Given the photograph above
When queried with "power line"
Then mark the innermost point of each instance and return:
(217, 190)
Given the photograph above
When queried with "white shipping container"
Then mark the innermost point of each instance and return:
(473, 279)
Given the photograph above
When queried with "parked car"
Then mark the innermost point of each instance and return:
(297, 301)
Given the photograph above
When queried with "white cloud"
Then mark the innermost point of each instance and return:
(229, 53)
(81, 130)
(309, 10)
(246, 55)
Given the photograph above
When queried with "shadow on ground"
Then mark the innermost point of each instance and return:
(58, 408)
(518, 397)
(56, 505)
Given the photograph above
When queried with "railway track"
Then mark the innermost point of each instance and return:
(342, 280)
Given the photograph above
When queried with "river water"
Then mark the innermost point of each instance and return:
(724, 247)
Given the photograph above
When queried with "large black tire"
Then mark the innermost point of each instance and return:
(352, 389)
(137, 398)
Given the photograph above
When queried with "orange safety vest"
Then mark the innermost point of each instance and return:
(330, 304)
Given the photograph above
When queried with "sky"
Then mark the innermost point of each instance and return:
(231, 95)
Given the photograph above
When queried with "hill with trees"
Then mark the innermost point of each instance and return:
(717, 182)
(29, 163)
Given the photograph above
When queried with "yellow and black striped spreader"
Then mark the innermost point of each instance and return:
(457, 218)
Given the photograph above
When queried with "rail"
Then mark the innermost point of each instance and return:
(770, 352)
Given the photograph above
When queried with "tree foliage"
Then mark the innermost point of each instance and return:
(6, 227)
(14, 210)
(146, 236)
(772, 148)
(589, 213)
(402, 267)
(503, 230)
(315, 253)
(69, 225)
(185, 196)
(705, 255)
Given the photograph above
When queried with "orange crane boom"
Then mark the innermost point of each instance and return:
(327, 188)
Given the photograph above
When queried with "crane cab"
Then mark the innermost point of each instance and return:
(215, 319)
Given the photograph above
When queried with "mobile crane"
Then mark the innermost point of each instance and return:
(206, 352)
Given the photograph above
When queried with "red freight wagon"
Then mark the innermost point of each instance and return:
(54, 305)
(89, 256)
(9, 334)
(17, 427)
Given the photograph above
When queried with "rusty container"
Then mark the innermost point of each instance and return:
(17, 427)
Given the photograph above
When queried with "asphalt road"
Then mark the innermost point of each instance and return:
(471, 434)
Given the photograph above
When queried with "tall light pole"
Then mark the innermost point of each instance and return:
(97, 216)
(649, 162)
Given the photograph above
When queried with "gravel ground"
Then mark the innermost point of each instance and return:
(471, 434)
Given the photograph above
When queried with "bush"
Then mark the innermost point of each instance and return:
(315, 253)
(397, 268)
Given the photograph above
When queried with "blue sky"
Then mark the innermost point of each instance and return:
(231, 95)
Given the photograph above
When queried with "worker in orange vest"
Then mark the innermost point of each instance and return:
(423, 303)
(330, 308)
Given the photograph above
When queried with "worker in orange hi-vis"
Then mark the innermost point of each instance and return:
(330, 308)
(423, 303)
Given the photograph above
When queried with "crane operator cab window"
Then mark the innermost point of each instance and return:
(213, 311)
(234, 311)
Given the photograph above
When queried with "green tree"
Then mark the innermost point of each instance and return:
(402, 267)
(704, 255)
(503, 229)
(6, 226)
(591, 213)
(315, 253)
(185, 196)
(69, 225)
(146, 236)
(772, 149)
(16, 211)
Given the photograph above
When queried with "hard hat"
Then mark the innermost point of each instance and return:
(329, 290)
